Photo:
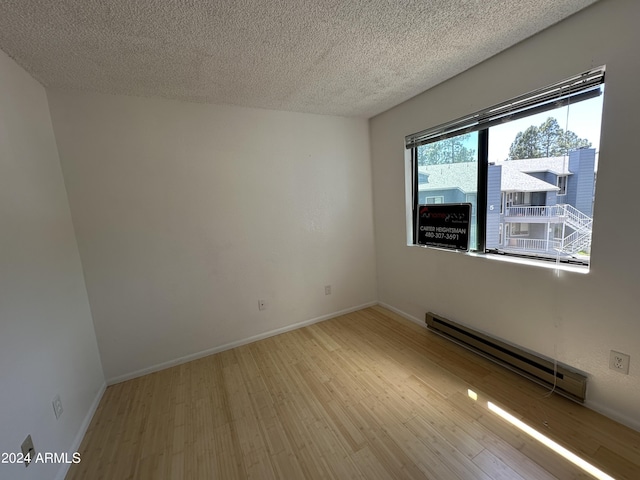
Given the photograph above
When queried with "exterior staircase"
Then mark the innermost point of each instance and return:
(580, 239)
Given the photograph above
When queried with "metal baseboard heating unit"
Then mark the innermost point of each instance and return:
(541, 370)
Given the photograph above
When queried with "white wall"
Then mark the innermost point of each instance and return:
(585, 316)
(47, 340)
(187, 214)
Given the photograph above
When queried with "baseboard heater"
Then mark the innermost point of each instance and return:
(568, 382)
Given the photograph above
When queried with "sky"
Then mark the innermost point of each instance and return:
(583, 118)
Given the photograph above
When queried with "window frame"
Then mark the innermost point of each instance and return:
(440, 197)
(562, 179)
(519, 231)
(580, 87)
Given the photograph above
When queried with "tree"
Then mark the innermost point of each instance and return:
(526, 144)
(545, 140)
(549, 136)
(450, 150)
(570, 141)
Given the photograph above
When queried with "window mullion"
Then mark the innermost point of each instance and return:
(483, 169)
(414, 207)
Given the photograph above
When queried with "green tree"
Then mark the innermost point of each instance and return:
(526, 144)
(449, 150)
(545, 140)
(549, 134)
(570, 141)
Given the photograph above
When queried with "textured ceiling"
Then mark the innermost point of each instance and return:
(339, 57)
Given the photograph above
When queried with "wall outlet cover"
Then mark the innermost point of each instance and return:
(619, 362)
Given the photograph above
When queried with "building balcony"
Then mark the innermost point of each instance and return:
(532, 245)
(535, 214)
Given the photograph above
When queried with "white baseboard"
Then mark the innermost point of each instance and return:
(228, 346)
(81, 432)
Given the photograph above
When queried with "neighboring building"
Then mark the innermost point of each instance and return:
(539, 206)
(450, 183)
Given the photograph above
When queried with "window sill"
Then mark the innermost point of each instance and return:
(531, 262)
(583, 269)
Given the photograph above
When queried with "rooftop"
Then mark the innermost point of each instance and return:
(450, 175)
(556, 165)
(515, 175)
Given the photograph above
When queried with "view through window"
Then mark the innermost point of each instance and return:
(539, 179)
(547, 165)
(448, 171)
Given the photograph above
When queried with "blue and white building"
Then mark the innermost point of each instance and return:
(539, 206)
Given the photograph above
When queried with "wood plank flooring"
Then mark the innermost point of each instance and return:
(367, 395)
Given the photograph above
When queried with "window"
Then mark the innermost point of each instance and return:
(519, 229)
(527, 166)
(451, 169)
(522, 198)
(558, 231)
(562, 185)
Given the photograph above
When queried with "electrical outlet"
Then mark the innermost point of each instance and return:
(262, 305)
(327, 289)
(619, 362)
(28, 452)
(57, 406)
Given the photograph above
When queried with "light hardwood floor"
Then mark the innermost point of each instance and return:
(366, 395)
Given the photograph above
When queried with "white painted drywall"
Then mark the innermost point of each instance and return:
(187, 214)
(583, 317)
(47, 340)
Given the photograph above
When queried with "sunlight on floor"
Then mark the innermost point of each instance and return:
(546, 441)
